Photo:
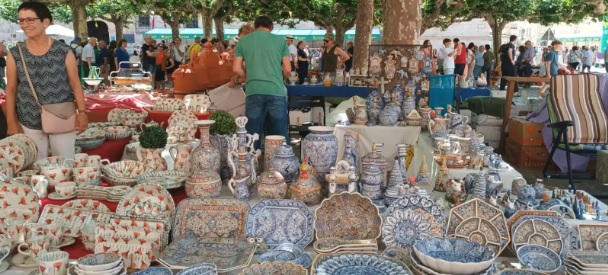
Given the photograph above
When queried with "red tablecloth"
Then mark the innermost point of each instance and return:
(110, 149)
(77, 250)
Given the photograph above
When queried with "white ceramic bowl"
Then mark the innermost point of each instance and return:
(99, 262)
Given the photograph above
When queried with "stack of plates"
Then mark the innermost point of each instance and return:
(113, 194)
(586, 262)
(19, 151)
(107, 264)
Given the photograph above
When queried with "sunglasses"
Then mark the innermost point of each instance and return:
(325, 40)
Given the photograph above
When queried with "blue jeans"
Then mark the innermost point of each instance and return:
(267, 115)
(477, 71)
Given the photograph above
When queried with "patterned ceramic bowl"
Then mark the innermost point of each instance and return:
(200, 269)
(126, 169)
(117, 132)
(91, 134)
(539, 258)
(274, 268)
(99, 262)
(90, 144)
(454, 255)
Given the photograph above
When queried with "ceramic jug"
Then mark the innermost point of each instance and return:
(205, 156)
(426, 114)
(359, 111)
(181, 157)
(239, 183)
(438, 125)
(314, 80)
(152, 158)
(389, 116)
(285, 162)
(243, 141)
(94, 72)
(293, 78)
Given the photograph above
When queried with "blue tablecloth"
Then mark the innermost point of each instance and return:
(465, 93)
(333, 91)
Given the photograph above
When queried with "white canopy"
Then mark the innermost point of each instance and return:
(57, 30)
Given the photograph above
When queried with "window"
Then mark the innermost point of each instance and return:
(143, 23)
(191, 24)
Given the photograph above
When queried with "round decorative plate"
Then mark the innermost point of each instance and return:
(403, 227)
(481, 231)
(347, 216)
(477, 208)
(601, 243)
(180, 115)
(418, 202)
(145, 200)
(281, 221)
(19, 197)
(349, 264)
(568, 234)
(284, 268)
(20, 260)
(14, 156)
(88, 205)
(537, 232)
(168, 179)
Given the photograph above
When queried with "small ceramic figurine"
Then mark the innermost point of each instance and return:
(403, 61)
(352, 180)
(390, 69)
(375, 63)
(351, 150)
(425, 85)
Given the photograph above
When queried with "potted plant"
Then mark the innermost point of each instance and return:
(152, 142)
(221, 132)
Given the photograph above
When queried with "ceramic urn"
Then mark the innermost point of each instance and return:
(204, 184)
(271, 185)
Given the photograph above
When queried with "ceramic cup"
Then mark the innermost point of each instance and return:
(54, 263)
(80, 160)
(16, 230)
(66, 189)
(96, 160)
(35, 246)
(40, 185)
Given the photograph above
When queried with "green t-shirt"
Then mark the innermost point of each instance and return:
(488, 58)
(262, 53)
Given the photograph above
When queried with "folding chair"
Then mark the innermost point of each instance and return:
(578, 119)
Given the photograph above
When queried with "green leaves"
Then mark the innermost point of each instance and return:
(224, 124)
(153, 137)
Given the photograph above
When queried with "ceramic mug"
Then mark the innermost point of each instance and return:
(66, 189)
(40, 185)
(96, 160)
(54, 263)
(35, 246)
(80, 160)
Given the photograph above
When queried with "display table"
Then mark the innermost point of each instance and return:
(390, 136)
(163, 117)
(332, 91)
(102, 103)
(110, 149)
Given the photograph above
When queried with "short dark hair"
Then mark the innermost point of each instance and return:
(446, 40)
(263, 21)
(39, 8)
(456, 40)
(487, 47)
(557, 42)
(512, 38)
(204, 41)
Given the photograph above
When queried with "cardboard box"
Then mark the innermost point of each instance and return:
(525, 133)
(525, 157)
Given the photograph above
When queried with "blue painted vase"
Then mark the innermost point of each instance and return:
(321, 149)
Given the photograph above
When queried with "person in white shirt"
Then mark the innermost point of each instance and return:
(588, 59)
(179, 52)
(88, 55)
(293, 52)
(448, 57)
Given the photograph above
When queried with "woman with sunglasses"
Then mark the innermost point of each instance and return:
(330, 55)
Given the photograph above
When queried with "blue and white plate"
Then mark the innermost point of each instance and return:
(281, 221)
(349, 264)
(154, 271)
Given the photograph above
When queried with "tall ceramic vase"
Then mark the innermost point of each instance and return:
(205, 156)
(321, 148)
(271, 145)
(152, 158)
(223, 144)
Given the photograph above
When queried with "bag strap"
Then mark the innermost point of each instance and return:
(27, 74)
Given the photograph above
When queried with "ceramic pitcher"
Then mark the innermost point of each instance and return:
(152, 158)
(438, 125)
(426, 114)
(239, 183)
(181, 157)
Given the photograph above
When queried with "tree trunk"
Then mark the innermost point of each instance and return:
(207, 25)
(402, 21)
(219, 28)
(79, 13)
(363, 37)
(340, 33)
(120, 25)
(497, 25)
(174, 29)
(329, 29)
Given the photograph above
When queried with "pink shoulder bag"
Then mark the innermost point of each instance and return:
(57, 118)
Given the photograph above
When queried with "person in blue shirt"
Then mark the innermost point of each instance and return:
(479, 62)
(552, 64)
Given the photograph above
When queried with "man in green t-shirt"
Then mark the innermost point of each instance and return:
(267, 59)
(488, 62)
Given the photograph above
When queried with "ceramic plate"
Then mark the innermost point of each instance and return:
(537, 232)
(347, 216)
(589, 234)
(226, 256)
(283, 268)
(214, 219)
(418, 202)
(16, 197)
(481, 231)
(590, 259)
(281, 221)
(87, 204)
(403, 227)
(568, 234)
(521, 213)
(18, 214)
(71, 219)
(147, 201)
(477, 208)
(181, 115)
(348, 264)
